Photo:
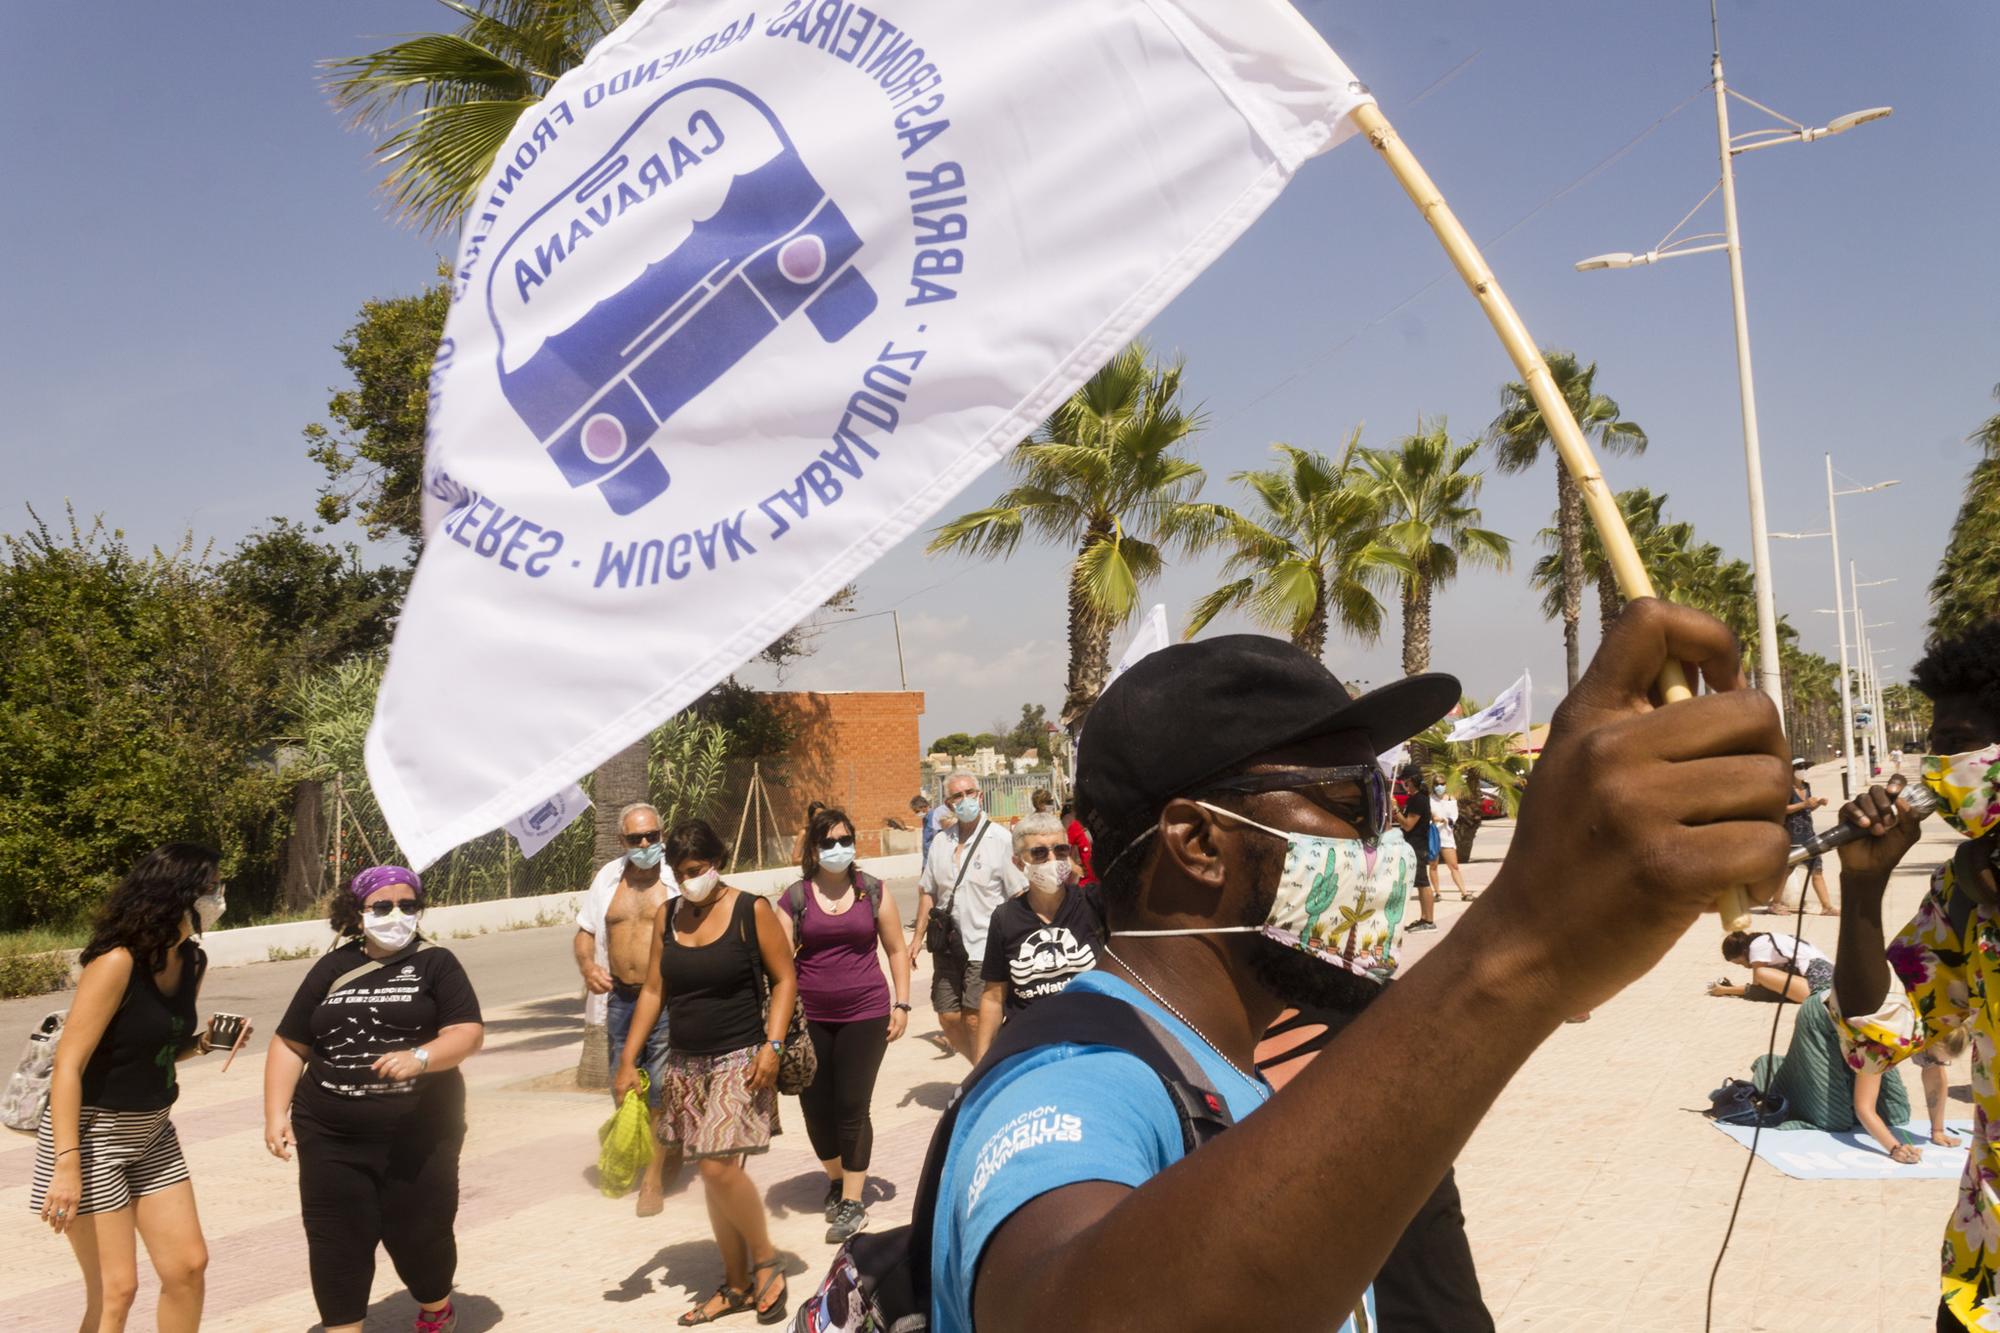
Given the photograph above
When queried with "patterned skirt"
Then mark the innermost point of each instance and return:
(707, 1107)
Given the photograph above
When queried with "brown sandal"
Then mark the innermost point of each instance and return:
(776, 1312)
(735, 1301)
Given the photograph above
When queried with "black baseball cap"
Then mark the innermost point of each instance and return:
(1193, 711)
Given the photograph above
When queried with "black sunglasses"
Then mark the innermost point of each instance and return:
(643, 837)
(1061, 852)
(1326, 787)
(408, 906)
(828, 844)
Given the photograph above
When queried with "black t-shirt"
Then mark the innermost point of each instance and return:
(1429, 1283)
(1033, 958)
(132, 1068)
(1419, 804)
(397, 1006)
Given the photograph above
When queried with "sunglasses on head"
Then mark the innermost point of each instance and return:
(642, 838)
(828, 844)
(1039, 855)
(1358, 793)
(407, 906)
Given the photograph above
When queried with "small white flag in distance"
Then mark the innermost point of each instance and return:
(1505, 716)
(749, 296)
(1395, 761)
(538, 828)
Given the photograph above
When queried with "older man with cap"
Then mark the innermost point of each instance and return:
(1238, 812)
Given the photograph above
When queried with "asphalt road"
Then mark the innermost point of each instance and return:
(507, 967)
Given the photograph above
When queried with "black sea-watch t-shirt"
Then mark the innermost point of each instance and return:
(396, 1006)
(1034, 958)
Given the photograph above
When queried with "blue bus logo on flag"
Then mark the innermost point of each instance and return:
(707, 230)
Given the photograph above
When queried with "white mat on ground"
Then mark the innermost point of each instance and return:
(1814, 1154)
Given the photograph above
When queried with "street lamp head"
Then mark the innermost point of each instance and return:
(1616, 259)
(1842, 124)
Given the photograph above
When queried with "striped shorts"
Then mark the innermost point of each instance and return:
(124, 1154)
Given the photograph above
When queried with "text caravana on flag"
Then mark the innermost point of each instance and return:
(747, 298)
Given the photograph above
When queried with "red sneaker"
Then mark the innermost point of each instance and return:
(437, 1321)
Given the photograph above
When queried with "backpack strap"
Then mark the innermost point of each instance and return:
(794, 902)
(1081, 1018)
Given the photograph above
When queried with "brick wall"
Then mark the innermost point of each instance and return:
(856, 751)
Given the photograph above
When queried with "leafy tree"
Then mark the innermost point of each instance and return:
(373, 453)
(1517, 436)
(1431, 522)
(1967, 587)
(1031, 732)
(133, 693)
(1642, 510)
(1103, 478)
(956, 744)
(1304, 556)
(439, 105)
(318, 602)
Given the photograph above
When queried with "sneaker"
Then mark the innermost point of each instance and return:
(437, 1321)
(1422, 925)
(832, 1205)
(848, 1219)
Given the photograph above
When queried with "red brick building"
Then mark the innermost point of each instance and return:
(857, 751)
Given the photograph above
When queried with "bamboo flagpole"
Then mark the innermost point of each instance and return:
(1571, 447)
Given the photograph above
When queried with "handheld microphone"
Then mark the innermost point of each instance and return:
(1921, 800)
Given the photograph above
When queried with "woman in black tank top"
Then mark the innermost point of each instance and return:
(106, 1145)
(715, 952)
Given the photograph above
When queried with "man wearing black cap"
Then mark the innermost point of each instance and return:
(1232, 792)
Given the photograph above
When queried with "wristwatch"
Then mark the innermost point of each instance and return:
(422, 1057)
(777, 1048)
(901, 1005)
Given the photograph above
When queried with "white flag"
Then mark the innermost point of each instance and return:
(1505, 716)
(748, 298)
(1150, 637)
(538, 828)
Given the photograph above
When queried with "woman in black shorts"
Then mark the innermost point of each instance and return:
(715, 951)
(363, 1077)
(108, 1165)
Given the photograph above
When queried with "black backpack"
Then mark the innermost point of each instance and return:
(881, 1282)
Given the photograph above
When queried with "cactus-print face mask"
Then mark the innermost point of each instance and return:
(1333, 896)
(1968, 789)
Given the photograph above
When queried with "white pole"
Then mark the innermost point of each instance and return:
(1769, 678)
(1840, 619)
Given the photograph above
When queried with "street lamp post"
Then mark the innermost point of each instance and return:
(1769, 676)
(1832, 533)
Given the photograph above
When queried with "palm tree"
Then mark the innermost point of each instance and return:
(1305, 556)
(440, 104)
(1430, 520)
(1517, 436)
(1967, 587)
(1103, 478)
(1642, 510)
(1466, 767)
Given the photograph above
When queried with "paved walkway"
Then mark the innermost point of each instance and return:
(1596, 1196)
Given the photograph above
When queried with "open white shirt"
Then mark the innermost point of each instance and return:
(1775, 950)
(591, 910)
(990, 880)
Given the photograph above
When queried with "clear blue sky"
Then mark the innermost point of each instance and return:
(191, 229)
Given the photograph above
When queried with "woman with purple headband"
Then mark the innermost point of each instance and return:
(363, 1078)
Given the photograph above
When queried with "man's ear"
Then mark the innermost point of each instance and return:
(1189, 839)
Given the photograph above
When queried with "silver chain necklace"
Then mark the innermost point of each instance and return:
(1167, 1005)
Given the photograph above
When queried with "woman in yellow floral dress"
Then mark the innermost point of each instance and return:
(1948, 956)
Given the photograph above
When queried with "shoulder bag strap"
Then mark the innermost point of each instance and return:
(401, 955)
(968, 852)
(1082, 1018)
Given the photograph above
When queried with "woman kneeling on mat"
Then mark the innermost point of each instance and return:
(1781, 967)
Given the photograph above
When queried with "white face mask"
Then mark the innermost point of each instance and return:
(1048, 876)
(1334, 896)
(966, 808)
(836, 859)
(700, 888)
(389, 932)
(208, 910)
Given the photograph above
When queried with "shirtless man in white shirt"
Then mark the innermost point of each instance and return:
(613, 943)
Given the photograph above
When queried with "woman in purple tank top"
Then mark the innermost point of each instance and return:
(840, 921)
